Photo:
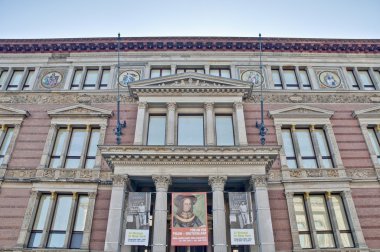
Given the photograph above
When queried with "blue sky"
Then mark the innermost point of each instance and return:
(273, 18)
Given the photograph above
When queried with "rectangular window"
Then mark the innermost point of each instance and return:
(366, 80)
(156, 130)
(16, 80)
(312, 145)
(221, 72)
(28, 82)
(318, 211)
(159, 72)
(5, 139)
(75, 85)
(75, 148)
(58, 211)
(352, 78)
(3, 76)
(290, 79)
(105, 80)
(304, 79)
(375, 141)
(276, 79)
(190, 130)
(91, 79)
(190, 70)
(224, 130)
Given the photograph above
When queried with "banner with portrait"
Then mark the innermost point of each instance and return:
(138, 211)
(241, 218)
(189, 219)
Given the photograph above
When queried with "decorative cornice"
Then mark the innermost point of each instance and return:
(217, 182)
(373, 112)
(80, 110)
(6, 111)
(301, 111)
(243, 44)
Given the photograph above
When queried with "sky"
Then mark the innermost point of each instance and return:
(24, 19)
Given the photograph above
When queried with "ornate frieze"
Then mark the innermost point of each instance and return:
(217, 182)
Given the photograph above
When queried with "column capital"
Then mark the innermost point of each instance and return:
(258, 181)
(119, 180)
(171, 106)
(289, 195)
(162, 182)
(209, 106)
(142, 105)
(217, 182)
(238, 105)
(346, 194)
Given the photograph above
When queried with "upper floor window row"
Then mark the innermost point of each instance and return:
(364, 79)
(17, 79)
(224, 72)
(91, 78)
(290, 78)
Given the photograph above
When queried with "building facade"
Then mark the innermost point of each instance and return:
(190, 173)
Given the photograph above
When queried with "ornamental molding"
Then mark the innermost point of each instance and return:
(368, 113)
(190, 84)
(80, 110)
(217, 182)
(258, 181)
(6, 111)
(129, 155)
(299, 174)
(301, 111)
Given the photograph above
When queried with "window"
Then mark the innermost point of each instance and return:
(221, 72)
(75, 147)
(366, 80)
(224, 130)
(306, 148)
(3, 76)
(90, 78)
(6, 135)
(59, 221)
(290, 79)
(190, 130)
(190, 70)
(159, 72)
(276, 79)
(304, 79)
(314, 214)
(374, 136)
(351, 77)
(362, 79)
(29, 78)
(16, 80)
(156, 130)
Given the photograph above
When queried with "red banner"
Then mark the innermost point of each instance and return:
(189, 219)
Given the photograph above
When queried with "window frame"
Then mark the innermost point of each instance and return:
(296, 71)
(220, 69)
(190, 68)
(26, 82)
(160, 69)
(98, 85)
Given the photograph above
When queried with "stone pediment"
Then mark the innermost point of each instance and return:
(12, 112)
(301, 111)
(80, 110)
(367, 113)
(191, 83)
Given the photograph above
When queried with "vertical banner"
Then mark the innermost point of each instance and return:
(138, 210)
(189, 219)
(241, 218)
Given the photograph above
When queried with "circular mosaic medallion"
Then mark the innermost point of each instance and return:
(128, 76)
(253, 77)
(51, 80)
(329, 79)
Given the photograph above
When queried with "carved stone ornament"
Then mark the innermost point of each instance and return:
(162, 182)
(258, 181)
(142, 105)
(171, 106)
(253, 77)
(329, 79)
(209, 105)
(238, 105)
(217, 182)
(119, 180)
(52, 79)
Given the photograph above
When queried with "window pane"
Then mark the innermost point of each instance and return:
(156, 130)
(77, 79)
(56, 240)
(81, 213)
(304, 79)
(322, 143)
(15, 80)
(290, 79)
(166, 72)
(94, 141)
(76, 240)
(62, 213)
(325, 240)
(305, 143)
(225, 73)
(155, 73)
(42, 213)
(276, 78)
(28, 82)
(287, 143)
(190, 130)
(340, 214)
(320, 214)
(35, 240)
(78, 138)
(90, 163)
(352, 79)
(309, 163)
(6, 141)
(366, 80)
(347, 240)
(214, 72)
(3, 75)
(305, 241)
(91, 78)
(224, 130)
(374, 141)
(201, 71)
(105, 78)
(59, 142)
(301, 218)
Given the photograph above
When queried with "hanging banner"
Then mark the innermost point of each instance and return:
(138, 211)
(241, 218)
(189, 219)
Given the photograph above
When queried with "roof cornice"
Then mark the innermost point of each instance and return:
(242, 44)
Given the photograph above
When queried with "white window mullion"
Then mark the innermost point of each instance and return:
(333, 219)
(83, 157)
(70, 225)
(317, 151)
(49, 219)
(62, 160)
(296, 147)
(313, 230)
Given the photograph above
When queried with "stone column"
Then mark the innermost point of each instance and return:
(139, 131)
(240, 122)
(170, 124)
(263, 216)
(210, 124)
(160, 212)
(293, 221)
(218, 213)
(114, 224)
